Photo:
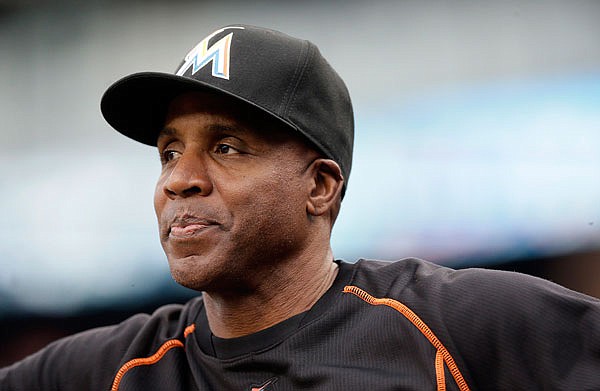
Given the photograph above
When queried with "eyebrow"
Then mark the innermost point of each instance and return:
(164, 132)
(215, 128)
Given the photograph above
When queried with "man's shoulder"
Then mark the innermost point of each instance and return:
(412, 277)
(167, 321)
(92, 356)
(141, 331)
(385, 278)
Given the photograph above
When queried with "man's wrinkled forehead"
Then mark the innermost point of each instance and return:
(216, 128)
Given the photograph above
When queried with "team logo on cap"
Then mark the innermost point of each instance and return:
(218, 54)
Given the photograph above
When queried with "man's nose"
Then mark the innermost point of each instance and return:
(188, 177)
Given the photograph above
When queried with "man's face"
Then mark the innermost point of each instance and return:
(231, 197)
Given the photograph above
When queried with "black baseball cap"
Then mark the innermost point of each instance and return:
(283, 76)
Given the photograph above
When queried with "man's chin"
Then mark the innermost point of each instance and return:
(201, 273)
(190, 271)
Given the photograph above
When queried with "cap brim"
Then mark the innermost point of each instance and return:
(136, 105)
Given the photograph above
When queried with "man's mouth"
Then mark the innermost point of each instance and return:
(187, 226)
(188, 230)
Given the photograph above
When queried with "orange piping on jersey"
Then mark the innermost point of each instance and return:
(136, 362)
(424, 329)
(188, 330)
(439, 371)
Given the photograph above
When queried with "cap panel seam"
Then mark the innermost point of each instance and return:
(281, 109)
(301, 71)
(323, 146)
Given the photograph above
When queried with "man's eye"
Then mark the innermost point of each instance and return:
(224, 149)
(169, 155)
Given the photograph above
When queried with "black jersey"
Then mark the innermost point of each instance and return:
(407, 325)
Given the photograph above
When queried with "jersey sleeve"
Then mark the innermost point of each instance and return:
(84, 361)
(515, 331)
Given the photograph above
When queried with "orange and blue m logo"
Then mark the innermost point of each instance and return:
(218, 54)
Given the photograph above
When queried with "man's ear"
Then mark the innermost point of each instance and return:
(326, 186)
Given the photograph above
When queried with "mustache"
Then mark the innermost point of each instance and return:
(187, 219)
(182, 217)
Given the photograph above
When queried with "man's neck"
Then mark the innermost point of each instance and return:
(284, 294)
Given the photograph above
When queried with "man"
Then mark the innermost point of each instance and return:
(255, 135)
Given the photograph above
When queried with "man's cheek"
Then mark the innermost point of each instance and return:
(159, 198)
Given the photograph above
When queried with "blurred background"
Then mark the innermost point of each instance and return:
(477, 144)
